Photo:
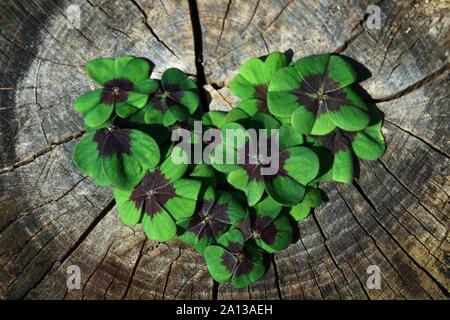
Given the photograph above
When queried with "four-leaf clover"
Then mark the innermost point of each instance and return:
(215, 216)
(174, 100)
(366, 144)
(116, 156)
(252, 82)
(159, 200)
(295, 167)
(314, 92)
(268, 226)
(125, 88)
(233, 258)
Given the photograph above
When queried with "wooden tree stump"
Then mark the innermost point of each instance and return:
(395, 215)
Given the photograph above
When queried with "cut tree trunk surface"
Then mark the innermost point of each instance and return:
(395, 215)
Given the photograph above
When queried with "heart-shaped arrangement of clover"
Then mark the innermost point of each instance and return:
(233, 213)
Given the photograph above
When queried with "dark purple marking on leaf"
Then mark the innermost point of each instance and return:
(153, 192)
(311, 84)
(245, 227)
(163, 100)
(319, 93)
(125, 123)
(262, 227)
(337, 140)
(258, 227)
(237, 259)
(253, 164)
(260, 222)
(111, 141)
(282, 157)
(171, 87)
(177, 96)
(211, 220)
(235, 247)
(182, 125)
(229, 261)
(269, 233)
(244, 267)
(311, 104)
(261, 94)
(337, 99)
(116, 91)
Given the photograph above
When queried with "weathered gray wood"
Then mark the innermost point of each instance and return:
(396, 215)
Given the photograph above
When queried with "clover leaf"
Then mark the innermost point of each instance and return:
(314, 92)
(205, 174)
(233, 258)
(311, 200)
(125, 88)
(366, 144)
(159, 200)
(252, 82)
(216, 214)
(297, 166)
(268, 226)
(116, 156)
(174, 100)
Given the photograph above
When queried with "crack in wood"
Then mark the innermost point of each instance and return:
(133, 271)
(441, 287)
(413, 87)
(149, 27)
(98, 265)
(327, 248)
(279, 14)
(355, 32)
(215, 289)
(223, 24)
(170, 270)
(197, 35)
(42, 152)
(423, 140)
(253, 13)
(399, 220)
(31, 53)
(404, 185)
(374, 240)
(277, 280)
(88, 230)
(311, 269)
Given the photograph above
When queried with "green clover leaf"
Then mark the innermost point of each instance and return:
(268, 226)
(174, 100)
(297, 166)
(116, 156)
(216, 214)
(252, 82)
(311, 200)
(314, 94)
(160, 200)
(126, 86)
(343, 145)
(236, 260)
